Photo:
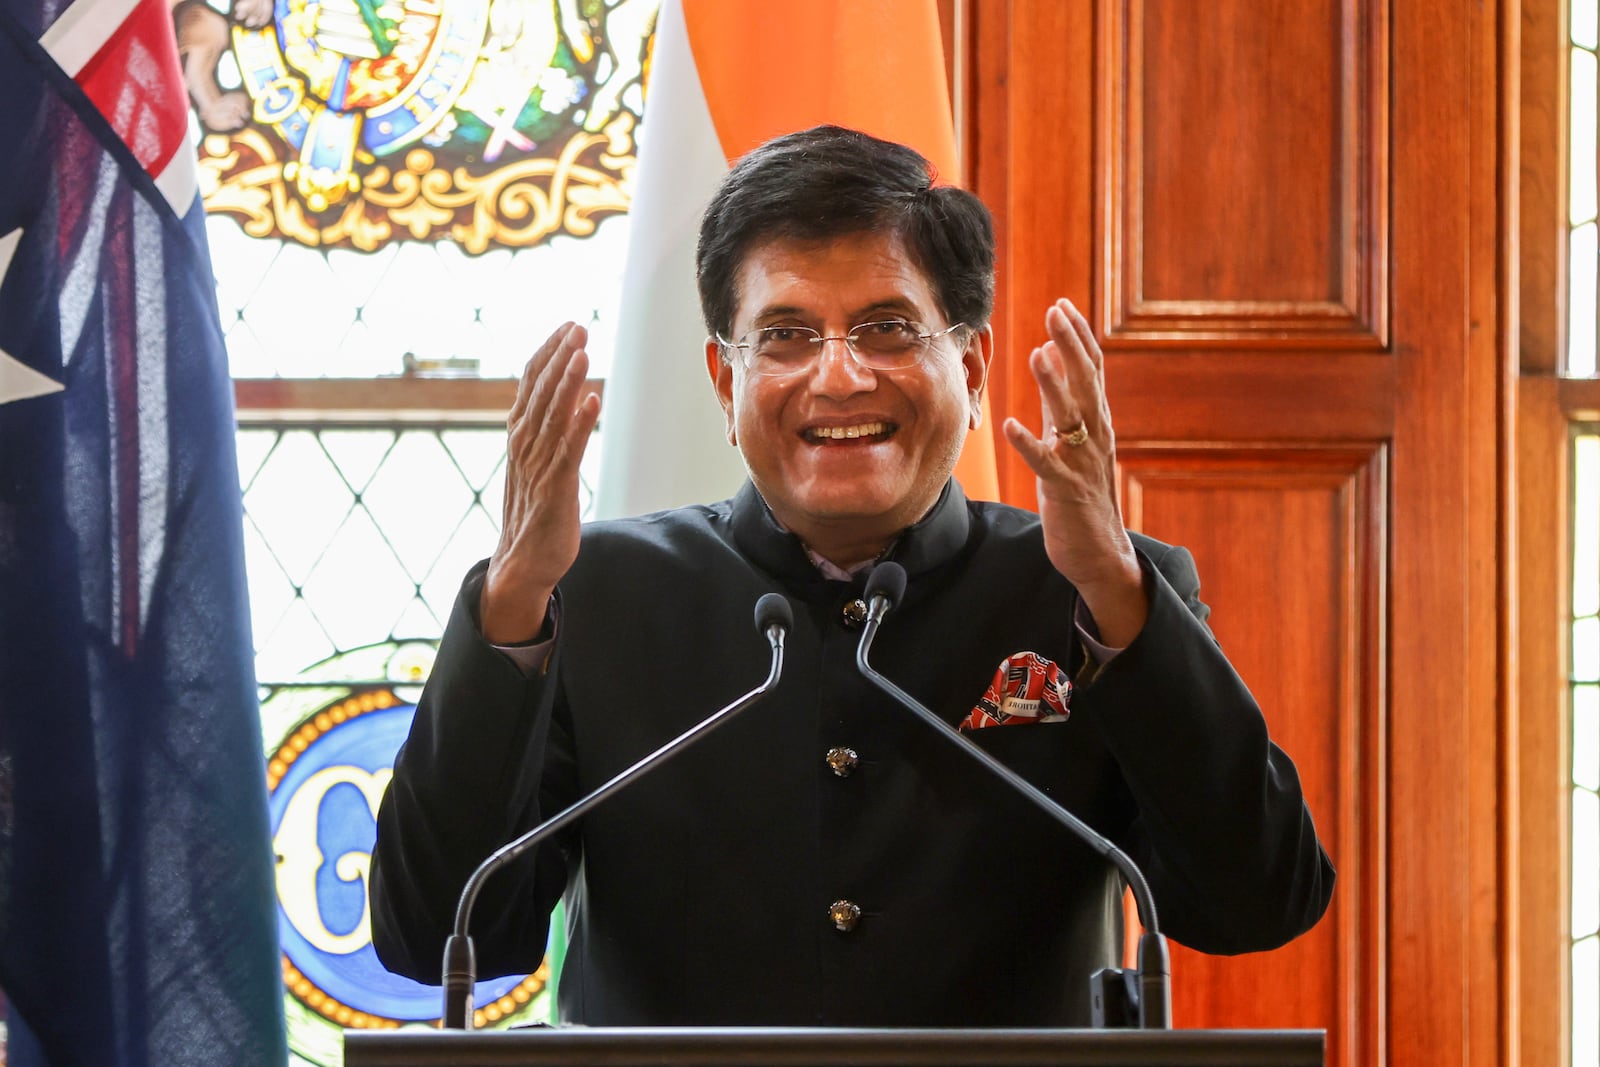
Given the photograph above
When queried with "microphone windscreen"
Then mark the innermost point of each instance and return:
(888, 580)
(773, 610)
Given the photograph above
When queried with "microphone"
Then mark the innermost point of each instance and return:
(1145, 991)
(774, 620)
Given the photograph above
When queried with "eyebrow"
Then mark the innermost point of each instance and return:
(897, 306)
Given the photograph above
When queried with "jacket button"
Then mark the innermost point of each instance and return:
(855, 613)
(842, 760)
(845, 915)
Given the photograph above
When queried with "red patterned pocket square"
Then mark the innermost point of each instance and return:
(1026, 688)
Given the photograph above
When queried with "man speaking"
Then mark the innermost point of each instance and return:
(827, 859)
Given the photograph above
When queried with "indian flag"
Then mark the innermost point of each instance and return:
(728, 75)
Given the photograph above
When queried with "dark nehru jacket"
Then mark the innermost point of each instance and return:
(702, 895)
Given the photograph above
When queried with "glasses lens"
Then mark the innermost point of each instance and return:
(887, 344)
(779, 349)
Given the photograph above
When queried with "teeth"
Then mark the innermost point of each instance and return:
(842, 433)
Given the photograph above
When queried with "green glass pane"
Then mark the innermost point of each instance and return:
(1581, 194)
(1581, 300)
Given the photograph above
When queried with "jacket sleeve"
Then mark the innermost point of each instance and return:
(488, 755)
(1222, 831)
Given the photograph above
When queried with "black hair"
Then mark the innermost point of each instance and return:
(829, 182)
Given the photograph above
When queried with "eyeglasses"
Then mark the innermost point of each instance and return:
(892, 344)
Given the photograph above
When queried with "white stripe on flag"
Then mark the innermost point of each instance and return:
(180, 180)
(664, 444)
(83, 29)
(78, 292)
(150, 340)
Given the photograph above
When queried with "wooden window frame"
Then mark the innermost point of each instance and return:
(1550, 409)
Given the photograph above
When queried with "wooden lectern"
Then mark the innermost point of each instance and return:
(785, 1047)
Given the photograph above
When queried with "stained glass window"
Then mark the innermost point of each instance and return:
(331, 733)
(412, 193)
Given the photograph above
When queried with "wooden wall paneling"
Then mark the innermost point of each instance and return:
(1499, 63)
(1077, 105)
(1539, 1015)
(1244, 160)
(1291, 551)
(1446, 654)
(1542, 887)
(1030, 142)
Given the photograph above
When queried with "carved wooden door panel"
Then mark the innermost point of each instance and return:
(1283, 219)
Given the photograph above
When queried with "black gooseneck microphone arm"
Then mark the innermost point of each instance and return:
(774, 620)
(885, 588)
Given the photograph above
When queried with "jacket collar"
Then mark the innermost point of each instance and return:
(932, 540)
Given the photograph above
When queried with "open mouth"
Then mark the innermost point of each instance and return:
(835, 435)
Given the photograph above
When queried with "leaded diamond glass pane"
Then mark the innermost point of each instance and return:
(358, 588)
(271, 592)
(1586, 526)
(418, 618)
(417, 498)
(297, 501)
(253, 447)
(357, 453)
(296, 640)
(1581, 192)
(478, 453)
(1586, 736)
(1585, 25)
(1581, 301)
(247, 356)
(1585, 863)
(1586, 1002)
(472, 541)
(1586, 649)
(353, 532)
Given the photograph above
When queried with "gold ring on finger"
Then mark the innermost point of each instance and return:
(1076, 436)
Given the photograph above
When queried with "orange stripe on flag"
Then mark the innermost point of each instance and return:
(874, 65)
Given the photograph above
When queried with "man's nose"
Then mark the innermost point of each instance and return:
(837, 371)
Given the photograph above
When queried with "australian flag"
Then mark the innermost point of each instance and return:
(137, 919)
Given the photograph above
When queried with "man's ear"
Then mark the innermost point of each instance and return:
(975, 364)
(721, 372)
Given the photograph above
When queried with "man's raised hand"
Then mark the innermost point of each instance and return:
(546, 432)
(1075, 464)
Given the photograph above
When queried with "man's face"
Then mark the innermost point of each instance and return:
(908, 424)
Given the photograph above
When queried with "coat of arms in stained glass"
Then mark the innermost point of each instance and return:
(355, 123)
